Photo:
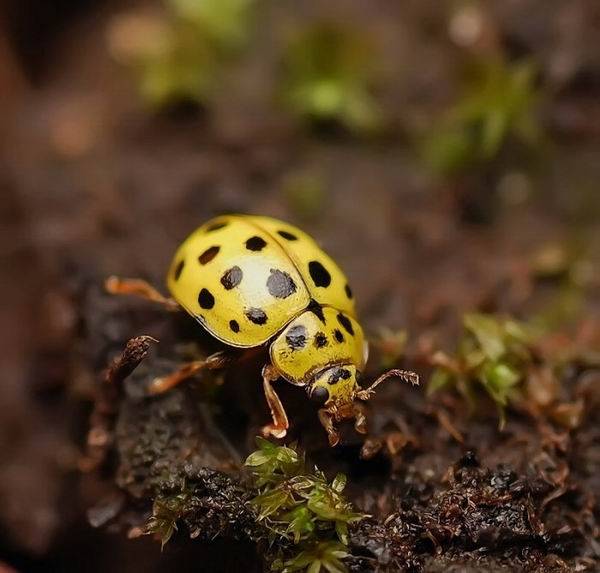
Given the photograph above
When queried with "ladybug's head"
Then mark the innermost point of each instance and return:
(336, 389)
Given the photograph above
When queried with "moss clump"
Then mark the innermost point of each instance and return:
(329, 77)
(494, 354)
(165, 513)
(181, 55)
(499, 103)
(298, 504)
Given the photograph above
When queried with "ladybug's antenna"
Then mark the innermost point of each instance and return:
(404, 375)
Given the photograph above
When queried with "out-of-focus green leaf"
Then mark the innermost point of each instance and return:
(438, 380)
(488, 333)
(180, 56)
(328, 75)
(224, 21)
(494, 354)
(499, 379)
(500, 102)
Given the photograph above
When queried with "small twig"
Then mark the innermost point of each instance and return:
(135, 351)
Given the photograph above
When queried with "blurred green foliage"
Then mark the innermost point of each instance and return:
(300, 505)
(306, 193)
(498, 103)
(329, 76)
(569, 266)
(494, 354)
(179, 56)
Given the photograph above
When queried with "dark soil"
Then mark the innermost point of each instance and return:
(93, 184)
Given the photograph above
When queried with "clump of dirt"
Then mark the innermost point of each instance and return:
(478, 517)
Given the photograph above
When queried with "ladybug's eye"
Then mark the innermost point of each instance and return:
(320, 395)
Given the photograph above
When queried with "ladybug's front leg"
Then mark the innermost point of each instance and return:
(139, 288)
(278, 429)
(326, 419)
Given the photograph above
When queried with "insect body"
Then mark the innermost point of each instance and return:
(254, 281)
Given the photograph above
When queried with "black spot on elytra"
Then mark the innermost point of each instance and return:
(348, 291)
(232, 277)
(178, 269)
(280, 284)
(320, 340)
(337, 375)
(319, 274)
(209, 255)
(216, 226)
(234, 325)
(296, 337)
(320, 395)
(205, 299)
(316, 309)
(338, 335)
(256, 315)
(287, 235)
(256, 243)
(345, 322)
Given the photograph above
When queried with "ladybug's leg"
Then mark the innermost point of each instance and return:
(215, 361)
(326, 419)
(140, 288)
(278, 429)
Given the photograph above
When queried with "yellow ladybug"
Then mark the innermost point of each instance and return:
(255, 282)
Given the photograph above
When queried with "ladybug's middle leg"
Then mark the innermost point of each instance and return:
(215, 361)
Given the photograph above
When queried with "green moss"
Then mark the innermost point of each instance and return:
(180, 56)
(299, 505)
(165, 513)
(494, 354)
(329, 76)
(499, 103)
(325, 556)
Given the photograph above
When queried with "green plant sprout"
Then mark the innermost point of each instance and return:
(301, 506)
(165, 513)
(494, 353)
(326, 555)
(180, 56)
(500, 103)
(329, 76)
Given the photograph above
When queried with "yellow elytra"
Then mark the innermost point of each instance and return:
(254, 281)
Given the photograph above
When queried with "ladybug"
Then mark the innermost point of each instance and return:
(256, 282)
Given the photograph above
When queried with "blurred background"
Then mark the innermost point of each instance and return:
(447, 154)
